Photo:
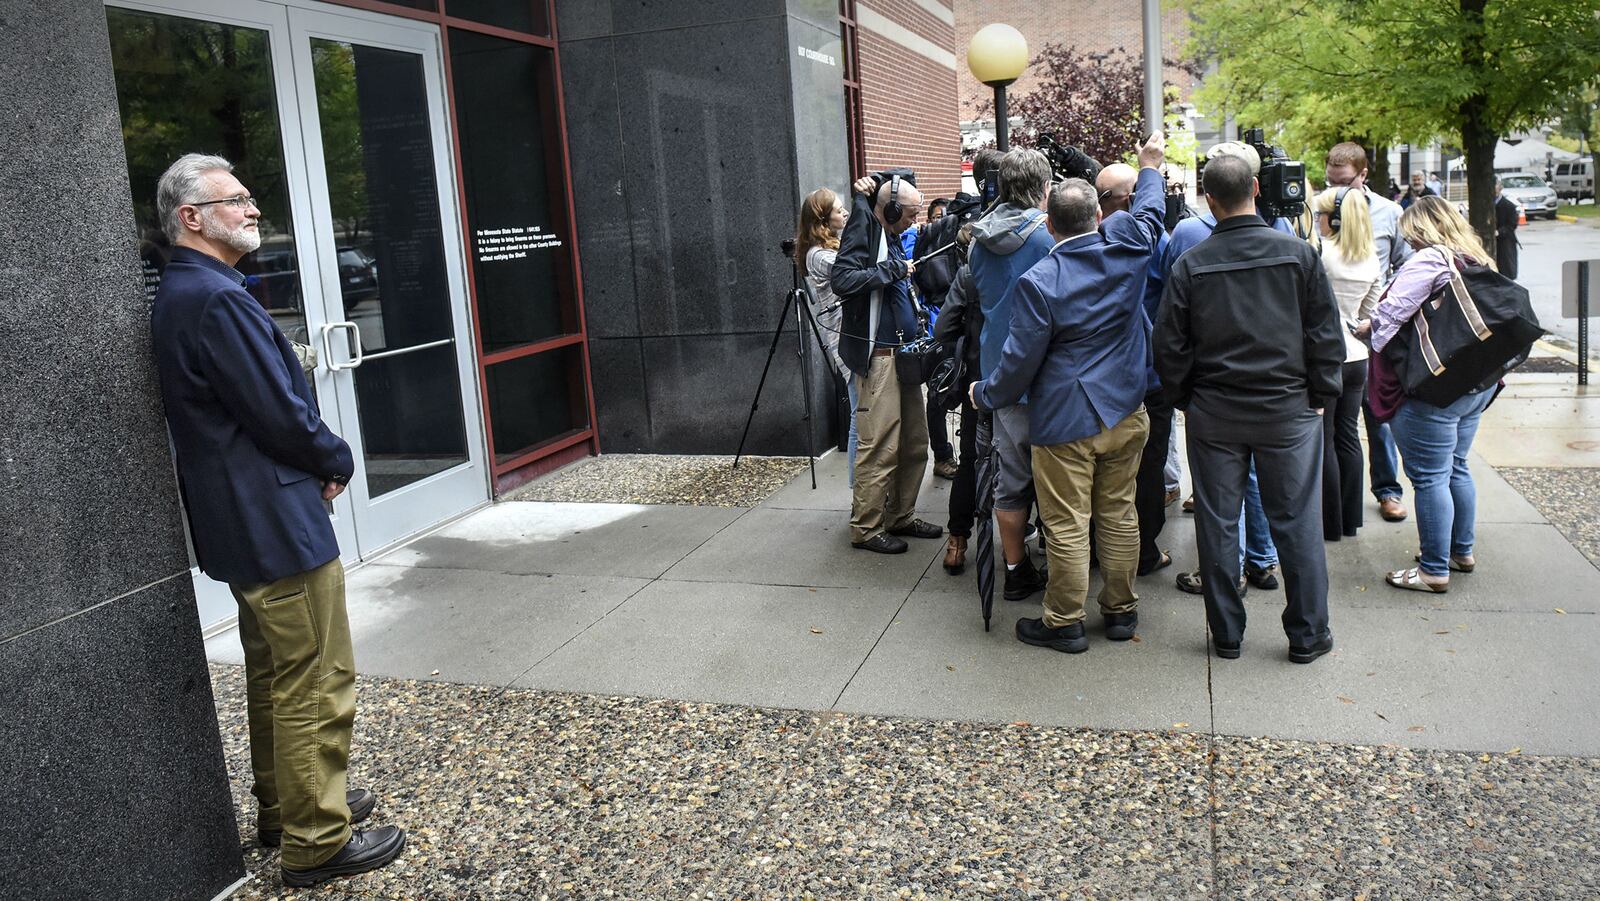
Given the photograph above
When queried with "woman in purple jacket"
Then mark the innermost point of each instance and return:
(1434, 441)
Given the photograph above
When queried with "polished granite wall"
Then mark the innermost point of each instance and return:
(695, 129)
(112, 782)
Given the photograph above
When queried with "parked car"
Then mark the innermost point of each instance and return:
(1531, 193)
(1574, 179)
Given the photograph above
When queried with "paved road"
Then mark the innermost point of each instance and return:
(1545, 246)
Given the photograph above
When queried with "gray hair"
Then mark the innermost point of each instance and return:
(1024, 177)
(1073, 205)
(181, 184)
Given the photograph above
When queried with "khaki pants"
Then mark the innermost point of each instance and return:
(301, 691)
(891, 451)
(1091, 478)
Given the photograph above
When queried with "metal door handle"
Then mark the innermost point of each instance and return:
(327, 345)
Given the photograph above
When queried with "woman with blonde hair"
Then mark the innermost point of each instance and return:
(816, 243)
(1350, 258)
(1433, 440)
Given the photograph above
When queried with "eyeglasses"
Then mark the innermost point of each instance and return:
(238, 202)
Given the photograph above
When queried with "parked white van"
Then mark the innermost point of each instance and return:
(1574, 179)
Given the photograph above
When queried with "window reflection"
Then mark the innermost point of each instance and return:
(187, 86)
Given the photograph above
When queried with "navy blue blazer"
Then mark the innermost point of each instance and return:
(1079, 341)
(251, 450)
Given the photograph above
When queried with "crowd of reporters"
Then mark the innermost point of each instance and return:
(1079, 315)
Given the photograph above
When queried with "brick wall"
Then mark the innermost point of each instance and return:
(909, 109)
(1089, 27)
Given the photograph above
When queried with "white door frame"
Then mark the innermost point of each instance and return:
(289, 25)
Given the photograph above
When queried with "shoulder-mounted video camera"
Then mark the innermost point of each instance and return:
(1283, 181)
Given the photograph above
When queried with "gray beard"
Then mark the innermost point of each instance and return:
(242, 239)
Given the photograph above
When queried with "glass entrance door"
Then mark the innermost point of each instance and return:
(336, 122)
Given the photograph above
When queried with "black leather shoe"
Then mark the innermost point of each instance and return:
(1067, 639)
(1264, 578)
(1121, 626)
(1224, 650)
(1024, 581)
(1306, 655)
(881, 543)
(1190, 582)
(359, 800)
(918, 529)
(368, 849)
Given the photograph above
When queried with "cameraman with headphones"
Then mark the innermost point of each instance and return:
(871, 277)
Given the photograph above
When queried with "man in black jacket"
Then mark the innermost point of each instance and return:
(1248, 344)
(1506, 215)
(870, 275)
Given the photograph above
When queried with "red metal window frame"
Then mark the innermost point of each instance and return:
(852, 88)
(566, 445)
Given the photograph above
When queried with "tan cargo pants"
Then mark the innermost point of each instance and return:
(301, 692)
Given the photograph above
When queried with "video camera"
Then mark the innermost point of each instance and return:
(1283, 181)
(1068, 161)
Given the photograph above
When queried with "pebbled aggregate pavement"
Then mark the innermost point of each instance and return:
(512, 793)
(664, 479)
(1569, 498)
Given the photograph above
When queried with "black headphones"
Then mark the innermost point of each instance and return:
(1334, 219)
(892, 209)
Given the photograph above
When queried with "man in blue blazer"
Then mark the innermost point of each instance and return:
(256, 466)
(1078, 346)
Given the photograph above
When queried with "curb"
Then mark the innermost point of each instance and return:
(1557, 351)
(1565, 218)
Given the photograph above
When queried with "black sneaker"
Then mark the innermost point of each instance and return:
(1024, 581)
(1067, 639)
(1225, 650)
(918, 529)
(1306, 655)
(1264, 578)
(881, 543)
(1121, 626)
(359, 800)
(1190, 582)
(368, 849)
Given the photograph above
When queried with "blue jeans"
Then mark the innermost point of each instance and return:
(854, 439)
(1259, 550)
(1434, 442)
(1381, 465)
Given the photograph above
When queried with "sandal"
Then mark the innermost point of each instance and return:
(1163, 563)
(1457, 565)
(1411, 580)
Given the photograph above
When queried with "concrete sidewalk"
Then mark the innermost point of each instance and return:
(770, 606)
(580, 700)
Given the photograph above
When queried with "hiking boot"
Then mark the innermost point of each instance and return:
(1024, 581)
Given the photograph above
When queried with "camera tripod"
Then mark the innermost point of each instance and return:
(804, 318)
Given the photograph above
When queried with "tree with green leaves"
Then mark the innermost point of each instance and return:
(1469, 71)
(1579, 117)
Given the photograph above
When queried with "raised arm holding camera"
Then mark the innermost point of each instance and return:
(870, 276)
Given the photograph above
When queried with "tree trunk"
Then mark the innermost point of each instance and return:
(1478, 137)
(1380, 169)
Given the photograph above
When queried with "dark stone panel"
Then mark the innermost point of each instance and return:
(700, 388)
(616, 366)
(91, 506)
(710, 174)
(578, 20)
(629, 16)
(114, 779)
(822, 156)
(605, 240)
(821, 13)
